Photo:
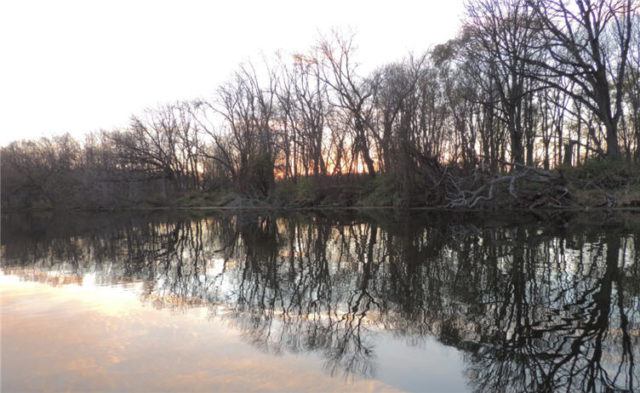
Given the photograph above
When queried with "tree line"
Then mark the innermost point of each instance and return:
(535, 83)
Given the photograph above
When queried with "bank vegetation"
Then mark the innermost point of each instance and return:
(535, 104)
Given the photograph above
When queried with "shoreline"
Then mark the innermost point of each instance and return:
(440, 209)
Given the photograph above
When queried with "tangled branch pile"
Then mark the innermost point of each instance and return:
(524, 187)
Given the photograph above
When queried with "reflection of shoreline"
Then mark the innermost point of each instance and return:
(373, 319)
(253, 323)
(508, 296)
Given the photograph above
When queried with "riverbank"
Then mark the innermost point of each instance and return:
(597, 185)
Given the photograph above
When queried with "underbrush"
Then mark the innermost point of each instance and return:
(603, 174)
(597, 183)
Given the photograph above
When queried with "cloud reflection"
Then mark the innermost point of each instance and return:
(59, 338)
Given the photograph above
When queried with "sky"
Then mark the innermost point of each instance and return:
(83, 66)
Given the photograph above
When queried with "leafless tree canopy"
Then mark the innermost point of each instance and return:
(526, 83)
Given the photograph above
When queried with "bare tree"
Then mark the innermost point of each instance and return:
(588, 42)
(504, 35)
(351, 93)
(303, 103)
(246, 144)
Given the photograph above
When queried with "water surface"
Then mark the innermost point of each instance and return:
(319, 302)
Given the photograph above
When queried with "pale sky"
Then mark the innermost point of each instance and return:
(81, 66)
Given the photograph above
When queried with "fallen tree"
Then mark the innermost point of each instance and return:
(522, 187)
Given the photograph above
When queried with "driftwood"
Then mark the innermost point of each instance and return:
(470, 192)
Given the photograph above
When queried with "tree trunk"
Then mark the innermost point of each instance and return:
(613, 148)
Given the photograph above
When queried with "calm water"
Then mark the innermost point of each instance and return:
(331, 302)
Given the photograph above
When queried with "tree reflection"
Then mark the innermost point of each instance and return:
(533, 307)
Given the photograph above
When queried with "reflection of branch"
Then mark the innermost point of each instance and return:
(534, 310)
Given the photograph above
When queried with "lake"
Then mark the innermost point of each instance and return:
(374, 301)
